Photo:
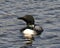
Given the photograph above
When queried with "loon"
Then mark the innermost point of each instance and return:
(31, 29)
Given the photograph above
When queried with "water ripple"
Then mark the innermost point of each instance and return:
(46, 14)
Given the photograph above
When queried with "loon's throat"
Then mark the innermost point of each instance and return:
(31, 26)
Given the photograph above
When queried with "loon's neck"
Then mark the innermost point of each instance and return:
(32, 25)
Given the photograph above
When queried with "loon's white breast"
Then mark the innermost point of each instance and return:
(29, 33)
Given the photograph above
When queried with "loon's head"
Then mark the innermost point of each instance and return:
(28, 19)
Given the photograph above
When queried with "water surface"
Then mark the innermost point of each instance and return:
(46, 14)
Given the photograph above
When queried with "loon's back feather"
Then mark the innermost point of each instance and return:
(38, 29)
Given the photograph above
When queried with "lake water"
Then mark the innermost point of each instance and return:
(46, 14)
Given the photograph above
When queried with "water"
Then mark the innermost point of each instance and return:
(46, 14)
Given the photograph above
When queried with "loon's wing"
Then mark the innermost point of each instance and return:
(38, 30)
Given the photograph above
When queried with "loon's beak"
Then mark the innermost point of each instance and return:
(20, 18)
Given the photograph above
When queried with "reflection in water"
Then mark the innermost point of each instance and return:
(28, 43)
(27, 47)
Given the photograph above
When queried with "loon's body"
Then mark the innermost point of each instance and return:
(31, 29)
